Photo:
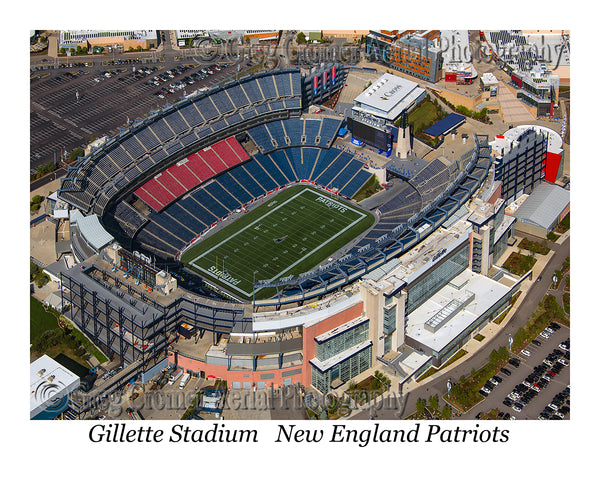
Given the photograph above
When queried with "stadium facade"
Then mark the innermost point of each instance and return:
(145, 195)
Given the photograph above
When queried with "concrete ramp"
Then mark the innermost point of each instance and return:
(512, 109)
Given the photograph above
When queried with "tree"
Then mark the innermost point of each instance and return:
(446, 413)
(301, 38)
(434, 402)
(63, 51)
(77, 152)
(421, 406)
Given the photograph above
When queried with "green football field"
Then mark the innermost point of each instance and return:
(289, 234)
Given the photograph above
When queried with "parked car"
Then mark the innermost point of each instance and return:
(506, 371)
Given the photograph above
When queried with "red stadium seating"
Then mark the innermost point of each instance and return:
(177, 180)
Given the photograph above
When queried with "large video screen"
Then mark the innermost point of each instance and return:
(370, 135)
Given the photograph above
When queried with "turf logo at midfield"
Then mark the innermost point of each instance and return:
(279, 240)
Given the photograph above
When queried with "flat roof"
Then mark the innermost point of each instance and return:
(505, 141)
(388, 96)
(50, 382)
(486, 293)
(446, 124)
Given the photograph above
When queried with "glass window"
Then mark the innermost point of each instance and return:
(430, 282)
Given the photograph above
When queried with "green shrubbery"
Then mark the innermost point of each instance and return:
(37, 275)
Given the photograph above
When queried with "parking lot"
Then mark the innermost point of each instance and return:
(541, 378)
(69, 106)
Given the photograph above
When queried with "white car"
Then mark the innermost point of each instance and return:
(526, 383)
(486, 390)
(553, 407)
(516, 408)
(559, 414)
(527, 353)
(537, 389)
(547, 362)
(547, 377)
(564, 362)
(562, 346)
(512, 417)
(495, 382)
(544, 335)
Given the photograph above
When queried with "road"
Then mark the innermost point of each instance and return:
(480, 358)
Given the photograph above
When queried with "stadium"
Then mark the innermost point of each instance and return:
(241, 196)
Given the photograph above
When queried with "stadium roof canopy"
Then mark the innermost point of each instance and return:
(446, 124)
(92, 230)
(544, 205)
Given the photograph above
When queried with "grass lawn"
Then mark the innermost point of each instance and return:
(425, 115)
(288, 235)
(371, 187)
(40, 320)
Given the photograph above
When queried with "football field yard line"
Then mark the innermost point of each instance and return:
(248, 262)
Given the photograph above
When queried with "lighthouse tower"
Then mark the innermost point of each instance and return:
(403, 143)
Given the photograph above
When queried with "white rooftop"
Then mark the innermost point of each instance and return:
(489, 78)
(325, 365)
(486, 293)
(50, 382)
(505, 141)
(388, 96)
(420, 258)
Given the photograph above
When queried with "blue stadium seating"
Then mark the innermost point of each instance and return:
(187, 217)
(333, 169)
(191, 115)
(280, 159)
(222, 102)
(228, 200)
(282, 81)
(161, 130)
(237, 96)
(128, 218)
(356, 183)
(207, 109)
(267, 163)
(311, 130)
(198, 210)
(147, 138)
(258, 174)
(133, 147)
(267, 86)
(176, 122)
(209, 203)
(246, 180)
(227, 182)
(252, 91)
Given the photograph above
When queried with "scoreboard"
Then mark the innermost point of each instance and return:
(370, 135)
